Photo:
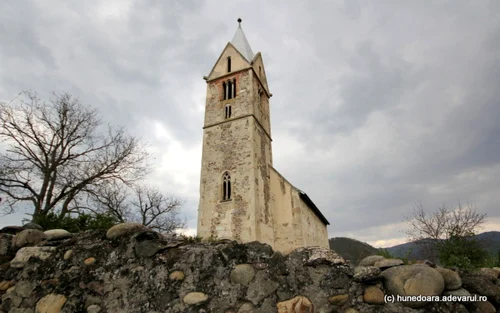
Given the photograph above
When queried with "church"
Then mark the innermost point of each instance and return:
(242, 196)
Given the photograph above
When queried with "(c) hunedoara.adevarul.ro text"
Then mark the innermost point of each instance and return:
(423, 298)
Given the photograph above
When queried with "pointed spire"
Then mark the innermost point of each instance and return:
(240, 42)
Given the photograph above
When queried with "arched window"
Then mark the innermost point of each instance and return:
(228, 64)
(227, 111)
(226, 186)
(229, 90)
(234, 87)
(224, 91)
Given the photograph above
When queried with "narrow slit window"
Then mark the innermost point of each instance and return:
(224, 91)
(228, 64)
(226, 186)
(234, 88)
(229, 90)
(227, 111)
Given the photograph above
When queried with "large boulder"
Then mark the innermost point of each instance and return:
(318, 255)
(125, 229)
(57, 234)
(482, 286)
(451, 279)
(366, 273)
(370, 260)
(11, 230)
(413, 280)
(28, 237)
(24, 254)
(32, 225)
(386, 263)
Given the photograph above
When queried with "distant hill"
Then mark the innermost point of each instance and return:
(351, 249)
(354, 250)
(492, 240)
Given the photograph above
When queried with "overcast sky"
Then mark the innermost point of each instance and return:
(377, 105)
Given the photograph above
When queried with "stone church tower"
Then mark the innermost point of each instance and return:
(242, 196)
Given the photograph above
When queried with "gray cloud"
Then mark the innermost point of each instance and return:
(376, 106)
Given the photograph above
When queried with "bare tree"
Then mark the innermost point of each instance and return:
(58, 150)
(141, 204)
(427, 230)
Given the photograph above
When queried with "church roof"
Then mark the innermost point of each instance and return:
(313, 207)
(240, 42)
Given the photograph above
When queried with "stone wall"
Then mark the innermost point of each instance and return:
(296, 225)
(131, 269)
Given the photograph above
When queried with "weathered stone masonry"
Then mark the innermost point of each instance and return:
(238, 145)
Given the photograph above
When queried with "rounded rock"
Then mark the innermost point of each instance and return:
(32, 225)
(176, 275)
(458, 292)
(246, 307)
(482, 286)
(338, 299)
(320, 255)
(12, 230)
(451, 279)
(93, 309)
(297, 304)
(56, 234)
(6, 284)
(366, 273)
(27, 237)
(370, 260)
(51, 303)
(124, 229)
(386, 263)
(242, 274)
(24, 288)
(195, 298)
(24, 254)
(68, 254)
(483, 307)
(373, 295)
(413, 280)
